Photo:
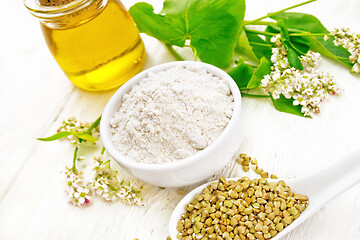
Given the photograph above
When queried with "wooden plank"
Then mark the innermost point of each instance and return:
(32, 91)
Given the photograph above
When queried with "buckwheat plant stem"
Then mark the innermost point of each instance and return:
(92, 126)
(254, 95)
(195, 53)
(259, 32)
(261, 44)
(174, 53)
(74, 159)
(307, 34)
(102, 151)
(253, 22)
(291, 34)
(264, 23)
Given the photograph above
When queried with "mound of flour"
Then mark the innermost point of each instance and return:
(171, 115)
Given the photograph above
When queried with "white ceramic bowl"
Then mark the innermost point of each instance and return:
(190, 170)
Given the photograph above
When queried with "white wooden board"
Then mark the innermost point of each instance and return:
(35, 97)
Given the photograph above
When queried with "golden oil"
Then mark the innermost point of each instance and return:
(98, 47)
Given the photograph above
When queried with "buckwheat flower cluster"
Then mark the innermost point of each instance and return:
(351, 42)
(278, 57)
(109, 186)
(73, 125)
(77, 189)
(308, 87)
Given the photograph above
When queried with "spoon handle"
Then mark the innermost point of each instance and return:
(332, 180)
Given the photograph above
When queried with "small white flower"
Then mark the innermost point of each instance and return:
(315, 101)
(107, 185)
(305, 110)
(356, 68)
(275, 94)
(273, 39)
(308, 91)
(77, 189)
(276, 76)
(283, 63)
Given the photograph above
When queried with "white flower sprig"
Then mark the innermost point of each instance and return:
(109, 186)
(308, 87)
(351, 42)
(73, 125)
(105, 181)
(77, 189)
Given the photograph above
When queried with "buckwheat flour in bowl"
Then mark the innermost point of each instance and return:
(171, 115)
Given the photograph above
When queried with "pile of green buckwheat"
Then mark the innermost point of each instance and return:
(242, 209)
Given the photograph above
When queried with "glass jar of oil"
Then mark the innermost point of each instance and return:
(95, 42)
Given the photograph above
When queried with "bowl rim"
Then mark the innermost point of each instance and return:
(106, 135)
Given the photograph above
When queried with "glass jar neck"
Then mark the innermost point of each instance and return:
(67, 15)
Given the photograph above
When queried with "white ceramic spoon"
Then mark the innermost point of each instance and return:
(320, 187)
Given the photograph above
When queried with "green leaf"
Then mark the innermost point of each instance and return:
(243, 46)
(301, 21)
(241, 75)
(286, 105)
(94, 124)
(328, 49)
(56, 136)
(262, 70)
(271, 29)
(293, 56)
(246, 78)
(211, 26)
(260, 50)
(63, 134)
(300, 45)
(300, 41)
(283, 30)
(165, 29)
(85, 136)
(309, 23)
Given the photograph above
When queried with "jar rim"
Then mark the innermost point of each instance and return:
(40, 11)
